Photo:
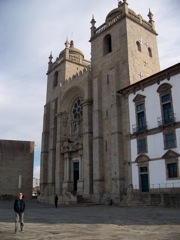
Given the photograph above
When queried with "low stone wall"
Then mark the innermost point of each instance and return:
(152, 199)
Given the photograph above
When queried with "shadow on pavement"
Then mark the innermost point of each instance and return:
(91, 214)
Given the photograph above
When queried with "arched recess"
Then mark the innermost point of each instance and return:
(150, 52)
(71, 127)
(138, 46)
(69, 97)
(107, 44)
(55, 79)
(71, 138)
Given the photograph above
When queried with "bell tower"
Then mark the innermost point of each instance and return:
(123, 51)
(125, 41)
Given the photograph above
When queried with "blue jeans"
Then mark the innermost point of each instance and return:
(19, 219)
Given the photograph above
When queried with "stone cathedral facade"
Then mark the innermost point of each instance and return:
(85, 149)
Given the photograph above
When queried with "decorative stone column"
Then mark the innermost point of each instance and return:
(67, 169)
(80, 185)
(67, 183)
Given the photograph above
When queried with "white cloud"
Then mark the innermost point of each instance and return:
(36, 173)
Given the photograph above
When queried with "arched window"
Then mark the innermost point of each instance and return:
(138, 46)
(55, 79)
(150, 52)
(107, 44)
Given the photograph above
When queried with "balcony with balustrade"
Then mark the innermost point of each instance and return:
(167, 120)
(139, 128)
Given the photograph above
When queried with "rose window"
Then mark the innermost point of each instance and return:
(77, 110)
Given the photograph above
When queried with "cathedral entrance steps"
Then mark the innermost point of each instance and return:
(81, 199)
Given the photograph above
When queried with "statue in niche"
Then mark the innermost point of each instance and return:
(75, 126)
(65, 119)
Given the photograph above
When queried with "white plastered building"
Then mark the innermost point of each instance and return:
(154, 119)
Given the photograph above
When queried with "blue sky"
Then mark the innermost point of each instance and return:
(31, 29)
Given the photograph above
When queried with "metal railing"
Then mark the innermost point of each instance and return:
(170, 119)
(159, 187)
(139, 128)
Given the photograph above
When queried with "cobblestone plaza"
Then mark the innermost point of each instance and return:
(90, 222)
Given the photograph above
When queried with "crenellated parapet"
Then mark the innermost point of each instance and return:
(82, 74)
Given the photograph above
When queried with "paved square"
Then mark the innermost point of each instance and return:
(90, 222)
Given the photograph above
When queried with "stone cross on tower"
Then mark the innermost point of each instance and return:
(140, 75)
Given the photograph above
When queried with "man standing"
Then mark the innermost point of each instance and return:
(56, 200)
(19, 208)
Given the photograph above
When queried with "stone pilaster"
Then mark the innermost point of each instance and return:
(59, 170)
(98, 165)
(116, 142)
(86, 163)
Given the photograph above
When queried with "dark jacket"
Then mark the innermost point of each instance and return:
(56, 198)
(19, 206)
